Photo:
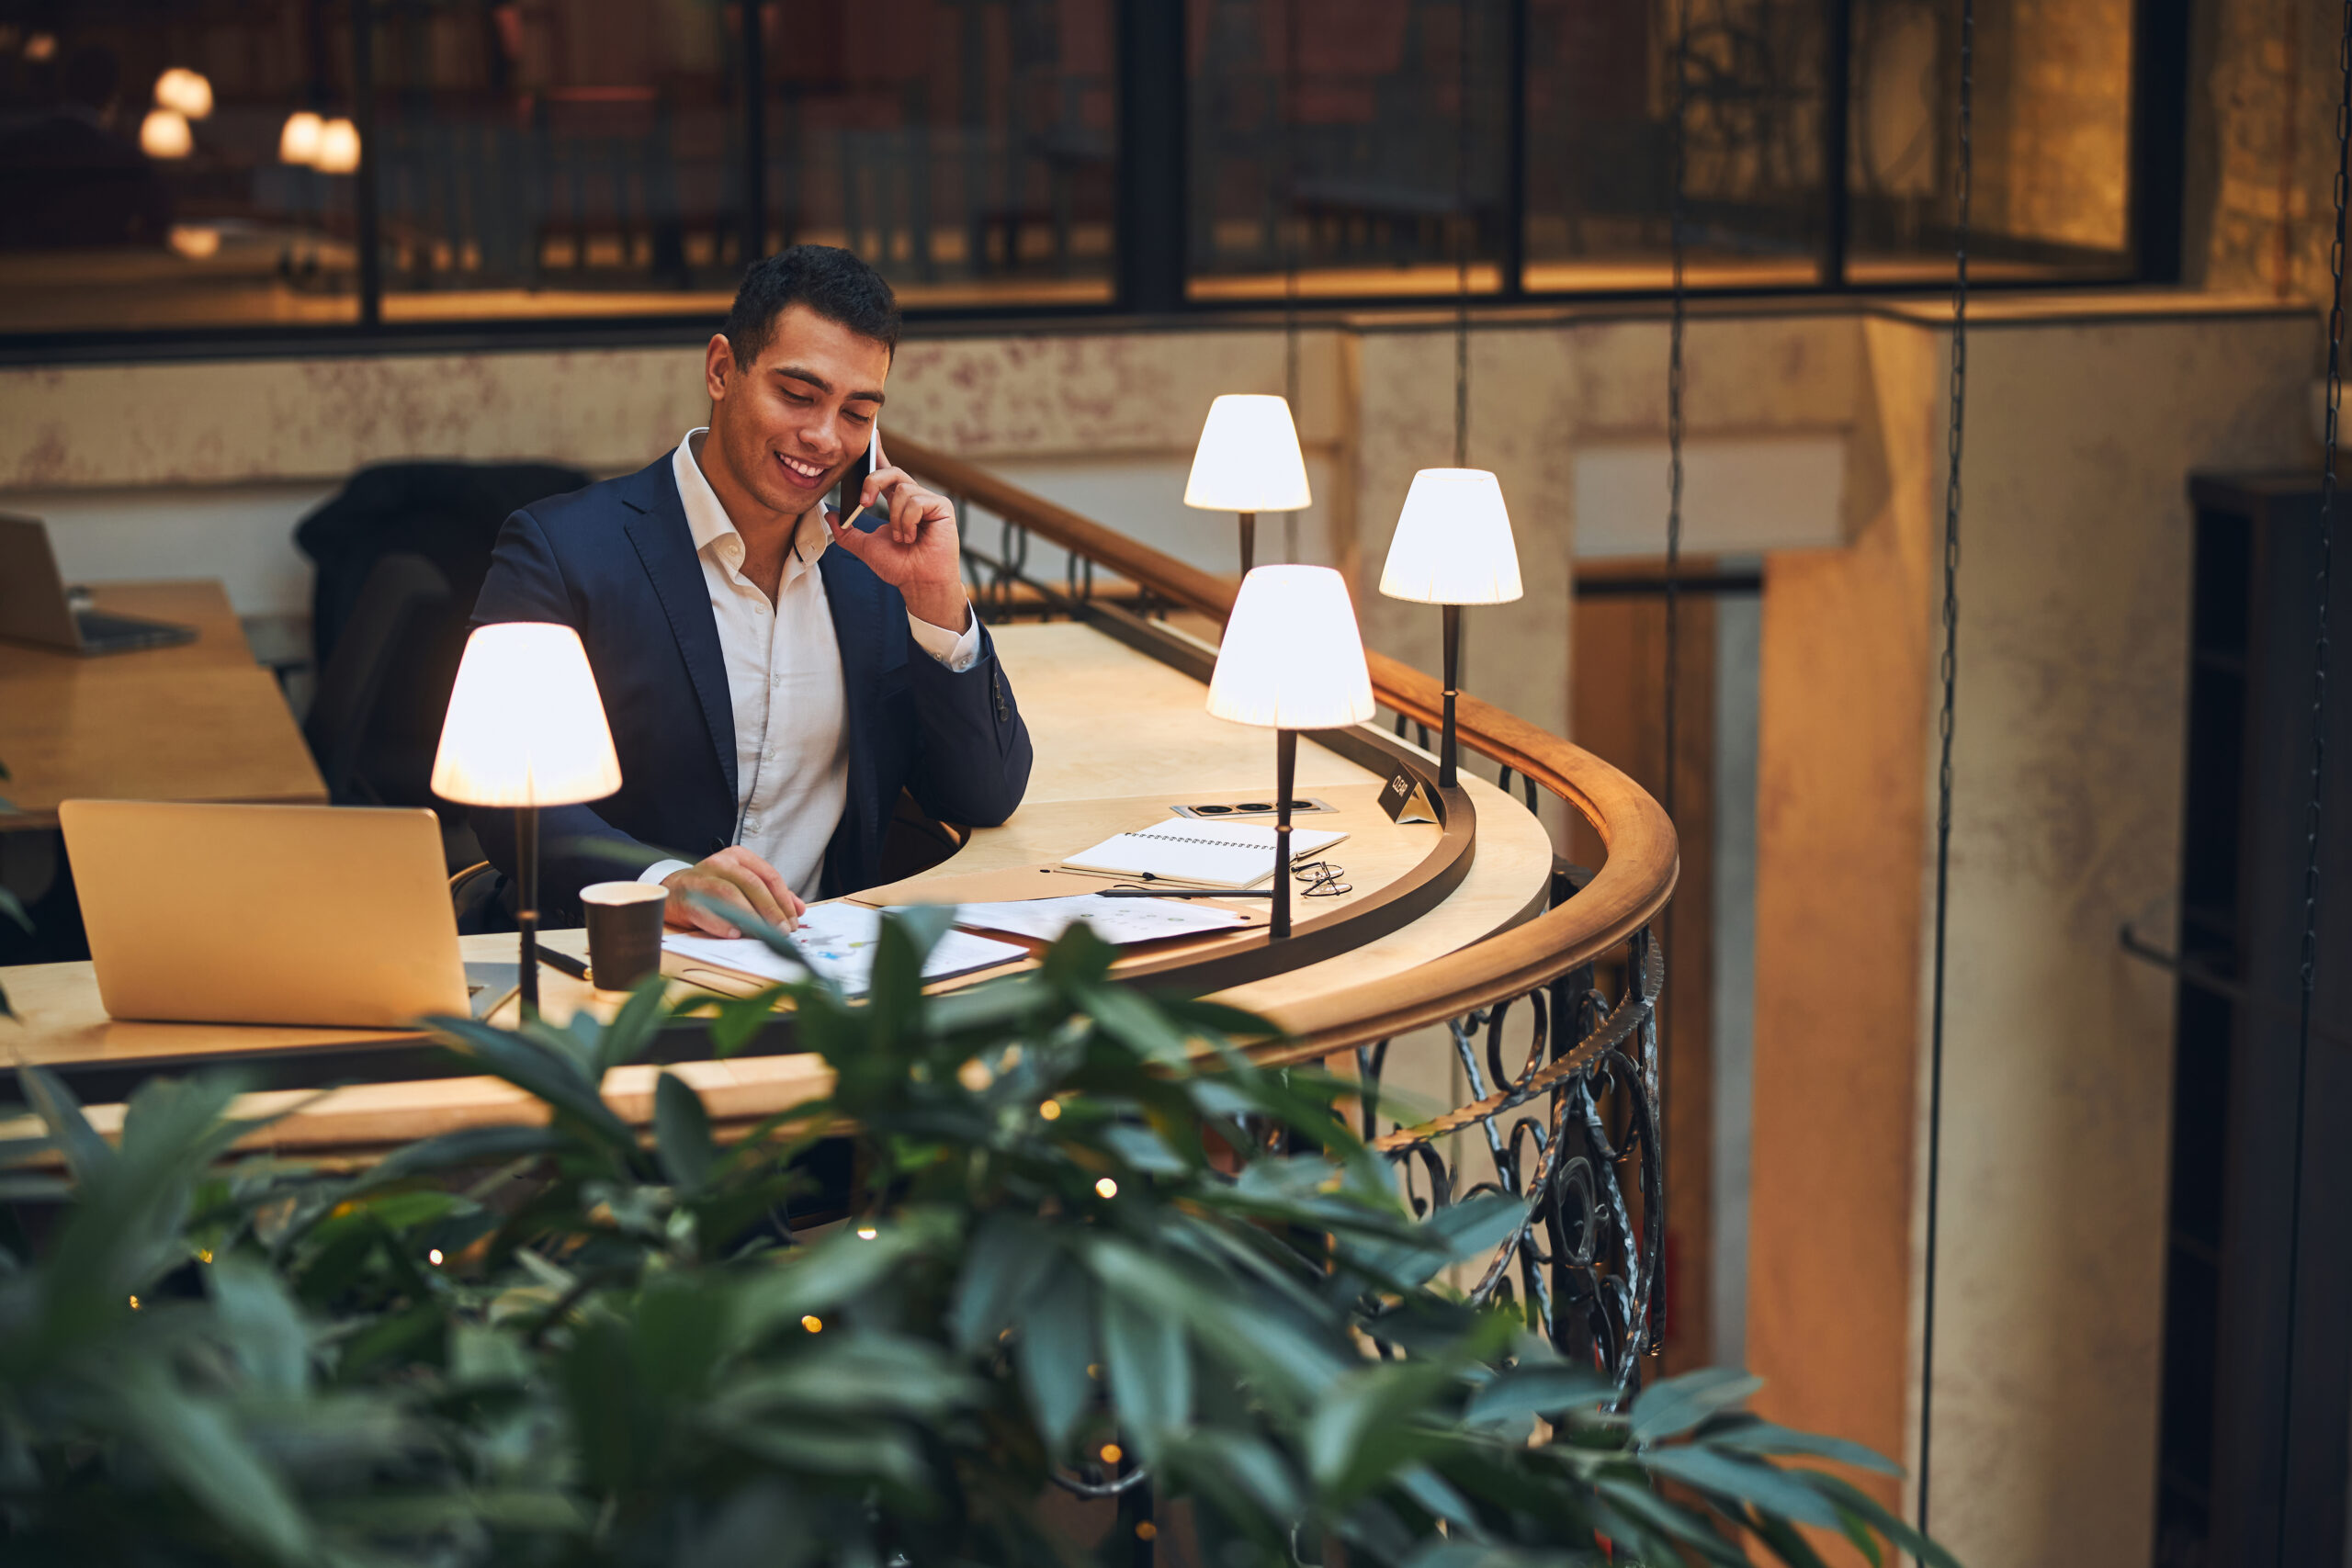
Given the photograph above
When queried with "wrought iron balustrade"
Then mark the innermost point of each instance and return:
(1563, 1111)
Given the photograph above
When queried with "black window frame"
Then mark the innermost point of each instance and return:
(1150, 262)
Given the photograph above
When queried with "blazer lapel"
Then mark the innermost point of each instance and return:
(666, 546)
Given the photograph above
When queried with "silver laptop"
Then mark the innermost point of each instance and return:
(327, 915)
(35, 607)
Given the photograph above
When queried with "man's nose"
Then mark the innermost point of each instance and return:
(818, 441)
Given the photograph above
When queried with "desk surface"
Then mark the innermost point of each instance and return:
(197, 722)
(1119, 736)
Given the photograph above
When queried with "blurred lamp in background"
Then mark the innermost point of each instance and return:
(526, 728)
(186, 91)
(338, 147)
(165, 133)
(1247, 462)
(1453, 547)
(1291, 659)
(298, 141)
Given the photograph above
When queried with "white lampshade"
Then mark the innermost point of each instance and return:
(1292, 656)
(525, 726)
(338, 147)
(1452, 544)
(1249, 458)
(186, 91)
(298, 141)
(165, 133)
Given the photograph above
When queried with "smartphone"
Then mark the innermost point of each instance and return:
(854, 481)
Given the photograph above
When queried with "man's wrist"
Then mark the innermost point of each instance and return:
(661, 870)
(946, 606)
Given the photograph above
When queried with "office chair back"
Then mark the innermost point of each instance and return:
(403, 606)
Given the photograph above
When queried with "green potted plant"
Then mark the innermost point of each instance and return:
(1072, 1256)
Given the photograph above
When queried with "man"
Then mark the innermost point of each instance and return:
(773, 678)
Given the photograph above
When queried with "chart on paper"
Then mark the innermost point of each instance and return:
(1118, 922)
(839, 940)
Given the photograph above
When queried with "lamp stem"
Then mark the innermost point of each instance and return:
(1286, 769)
(1249, 541)
(1448, 747)
(526, 914)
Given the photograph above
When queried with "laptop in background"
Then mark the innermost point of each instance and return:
(326, 915)
(35, 608)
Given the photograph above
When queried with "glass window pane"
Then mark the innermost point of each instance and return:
(140, 181)
(966, 148)
(1601, 143)
(2052, 140)
(559, 158)
(1342, 159)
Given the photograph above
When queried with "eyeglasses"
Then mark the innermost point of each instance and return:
(1322, 878)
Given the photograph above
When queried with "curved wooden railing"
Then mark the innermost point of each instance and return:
(1632, 886)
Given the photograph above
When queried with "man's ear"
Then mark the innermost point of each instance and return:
(717, 366)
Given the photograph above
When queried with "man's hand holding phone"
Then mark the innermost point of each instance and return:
(917, 552)
(735, 877)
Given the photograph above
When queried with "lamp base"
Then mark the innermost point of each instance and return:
(1286, 770)
(526, 899)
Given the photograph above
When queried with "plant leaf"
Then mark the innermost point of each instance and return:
(1009, 1253)
(85, 1153)
(1758, 1436)
(1517, 1396)
(1672, 1407)
(1772, 1490)
(1054, 1346)
(1879, 1518)
(682, 1132)
(1150, 1365)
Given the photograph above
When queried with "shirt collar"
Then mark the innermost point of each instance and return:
(708, 521)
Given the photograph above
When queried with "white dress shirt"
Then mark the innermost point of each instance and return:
(784, 681)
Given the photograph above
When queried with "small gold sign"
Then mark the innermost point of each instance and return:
(1405, 801)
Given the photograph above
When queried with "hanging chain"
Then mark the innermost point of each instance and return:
(1294, 80)
(1676, 322)
(2312, 812)
(1950, 672)
(1655, 1327)
(1461, 247)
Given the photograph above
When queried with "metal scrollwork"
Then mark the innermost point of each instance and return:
(1572, 1127)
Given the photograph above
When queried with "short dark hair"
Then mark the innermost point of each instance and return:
(833, 282)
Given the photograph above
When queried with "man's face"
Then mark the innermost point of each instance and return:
(787, 426)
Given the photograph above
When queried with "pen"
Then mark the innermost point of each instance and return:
(1185, 892)
(563, 963)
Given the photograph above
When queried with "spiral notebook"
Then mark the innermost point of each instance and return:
(1213, 854)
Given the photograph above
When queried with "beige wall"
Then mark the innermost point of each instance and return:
(2074, 589)
(2068, 757)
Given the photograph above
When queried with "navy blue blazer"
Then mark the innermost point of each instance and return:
(616, 563)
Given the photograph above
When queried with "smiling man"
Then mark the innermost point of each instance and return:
(773, 678)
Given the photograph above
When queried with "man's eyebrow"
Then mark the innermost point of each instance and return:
(797, 373)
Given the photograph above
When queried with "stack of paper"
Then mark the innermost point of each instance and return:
(1116, 920)
(1213, 854)
(839, 940)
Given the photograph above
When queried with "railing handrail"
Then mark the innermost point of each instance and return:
(1632, 886)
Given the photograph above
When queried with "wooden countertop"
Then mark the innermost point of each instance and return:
(201, 721)
(1119, 737)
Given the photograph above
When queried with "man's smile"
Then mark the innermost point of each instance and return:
(801, 472)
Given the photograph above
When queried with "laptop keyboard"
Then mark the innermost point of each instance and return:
(99, 629)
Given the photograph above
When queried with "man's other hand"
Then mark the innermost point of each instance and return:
(733, 876)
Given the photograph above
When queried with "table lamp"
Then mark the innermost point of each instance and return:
(1291, 659)
(297, 140)
(1453, 547)
(1247, 462)
(338, 151)
(526, 730)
